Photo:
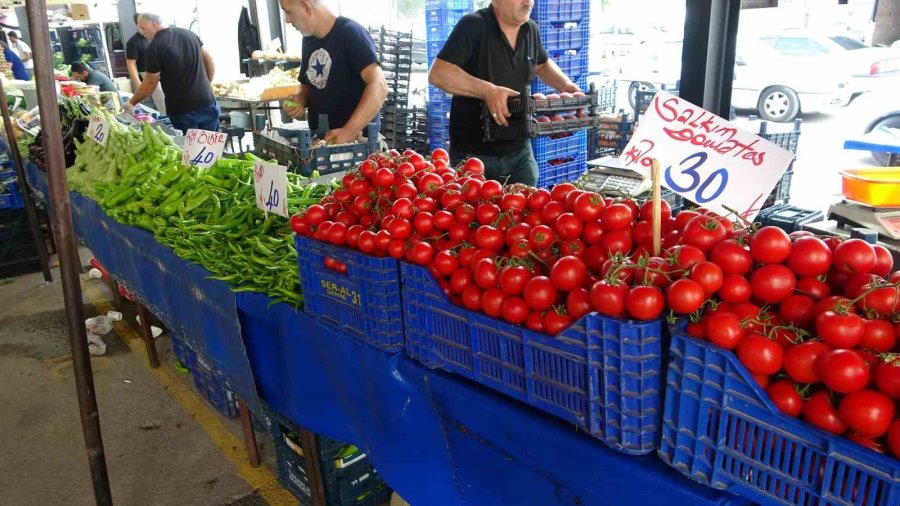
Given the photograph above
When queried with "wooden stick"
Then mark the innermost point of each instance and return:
(657, 208)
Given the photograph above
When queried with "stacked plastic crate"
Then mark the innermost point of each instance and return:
(440, 18)
(564, 33)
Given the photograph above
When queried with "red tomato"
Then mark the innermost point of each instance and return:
(709, 276)
(735, 289)
(461, 279)
(400, 229)
(683, 218)
(879, 336)
(552, 211)
(616, 242)
(556, 321)
(538, 199)
(843, 371)
(867, 412)
(854, 256)
(685, 257)
(492, 302)
(366, 242)
(760, 355)
(593, 232)
(813, 287)
(471, 298)
(568, 226)
(568, 273)
(732, 257)
(474, 166)
(440, 154)
(617, 217)
(513, 201)
(884, 261)
(685, 296)
(578, 303)
(724, 329)
(423, 222)
(445, 262)
(609, 299)
(772, 283)
(429, 183)
(541, 237)
(397, 248)
(646, 213)
(589, 206)
(540, 293)
(878, 302)
(810, 256)
(382, 240)
(484, 271)
(315, 214)
(644, 302)
(840, 330)
(770, 245)
(797, 309)
(704, 232)
(800, 360)
(515, 310)
(488, 237)
(887, 378)
(421, 253)
(560, 191)
(819, 410)
(785, 397)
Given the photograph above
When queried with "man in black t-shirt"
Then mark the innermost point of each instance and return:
(136, 61)
(491, 55)
(176, 58)
(339, 76)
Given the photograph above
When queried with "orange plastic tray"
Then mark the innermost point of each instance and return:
(877, 186)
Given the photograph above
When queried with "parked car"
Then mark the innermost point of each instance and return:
(876, 111)
(869, 67)
(777, 89)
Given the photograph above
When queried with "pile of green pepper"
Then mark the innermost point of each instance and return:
(208, 216)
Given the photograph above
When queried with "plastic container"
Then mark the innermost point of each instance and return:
(601, 374)
(365, 302)
(538, 86)
(781, 194)
(547, 148)
(721, 429)
(553, 11)
(560, 170)
(448, 4)
(791, 219)
(325, 159)
(606, 98)
(563, 36)
(12, 199)
(876, 186)
(213, 386)
(439, 23)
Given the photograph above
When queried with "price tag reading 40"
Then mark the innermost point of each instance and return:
(202, 147)
(705, 158)
(98, 129)
(270, 182)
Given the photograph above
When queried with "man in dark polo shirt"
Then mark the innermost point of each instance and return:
(136, 62)
(176, 58)
(491, 55)
(339, 75)
(85, 73)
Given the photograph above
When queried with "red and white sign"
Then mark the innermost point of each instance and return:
(705, 158)
(202, 147)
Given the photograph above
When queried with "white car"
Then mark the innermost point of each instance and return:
(777, 89)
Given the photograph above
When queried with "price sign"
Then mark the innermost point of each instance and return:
(270, 182)
(98, 129)
(705, 158)
(202, 147)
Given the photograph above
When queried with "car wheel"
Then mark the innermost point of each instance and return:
(881, 158)
(779, 104)
(633, 88)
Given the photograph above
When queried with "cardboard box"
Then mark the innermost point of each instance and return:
(80, 10)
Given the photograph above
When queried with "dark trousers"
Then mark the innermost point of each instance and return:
(516, 167)
(205, 118)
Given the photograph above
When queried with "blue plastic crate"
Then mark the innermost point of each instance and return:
(13, 198)
(721, 429)
(6, 173)
(565, 36)
(433, 48)
(439, 23)
(601, 374)
(437, 95)
(537, 86)
(449, 4)
(553, 11)
(546, 148)
(214, 388)
(551, 173)
(183, 353)
(365, 302)
(572, 62)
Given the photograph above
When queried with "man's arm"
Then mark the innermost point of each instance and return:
(133, 73)
(146, 89)
(456, 81)
(551, 75)
(208, 63)
(369, 105)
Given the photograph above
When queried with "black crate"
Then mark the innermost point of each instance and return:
(18, 252)
(782, 192)
(304, 159)
(611, 135)
(787, 140)
(791, 219)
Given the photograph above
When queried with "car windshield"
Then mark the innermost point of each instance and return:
(848, 42)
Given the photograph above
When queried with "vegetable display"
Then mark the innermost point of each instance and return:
(812, 319)
(74, 116)
(208, 216)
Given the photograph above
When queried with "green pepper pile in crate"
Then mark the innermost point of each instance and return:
(208, 216)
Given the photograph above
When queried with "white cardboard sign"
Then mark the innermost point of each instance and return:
(202, 147)
(705, 158)
(270, 182)
(98, 129)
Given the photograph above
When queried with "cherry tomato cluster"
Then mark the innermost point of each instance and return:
(814, 321)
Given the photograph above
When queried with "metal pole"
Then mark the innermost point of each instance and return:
(68, 253)
(30, 213)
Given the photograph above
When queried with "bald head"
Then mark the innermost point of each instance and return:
(309, 17)
(148, 24)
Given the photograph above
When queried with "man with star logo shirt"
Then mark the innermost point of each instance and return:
(339, 76)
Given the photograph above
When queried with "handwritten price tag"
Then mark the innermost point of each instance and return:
(98, 129)
(705, 158)
(202, 147)
(270, 182)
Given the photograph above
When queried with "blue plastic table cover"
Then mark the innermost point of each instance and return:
(438, 439)
(200, 310)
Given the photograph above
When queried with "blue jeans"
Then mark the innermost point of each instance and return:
(517, 167)
(205, 118)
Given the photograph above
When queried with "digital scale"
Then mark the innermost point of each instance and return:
(607, 174)
(885, 220)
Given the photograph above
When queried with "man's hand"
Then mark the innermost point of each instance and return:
(294, 107)
(341, 136)
(496, 102)
(570, 88)
(128, 108)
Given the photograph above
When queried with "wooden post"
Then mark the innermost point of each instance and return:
(249, 435)
(147, 334)
(657, 208)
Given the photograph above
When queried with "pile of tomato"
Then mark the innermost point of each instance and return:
(810, 318)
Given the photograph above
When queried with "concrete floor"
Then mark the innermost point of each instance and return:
(164, 445)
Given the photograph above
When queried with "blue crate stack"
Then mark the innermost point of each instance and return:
(564, 27)
(440, 18)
